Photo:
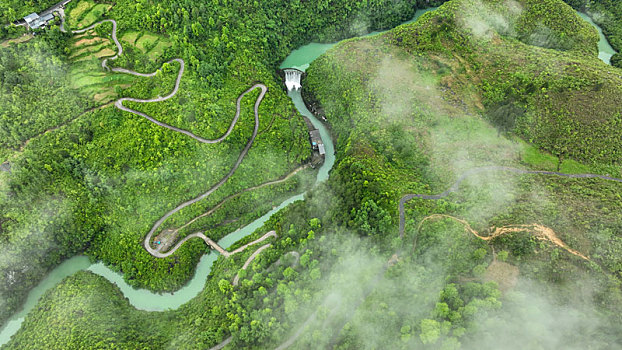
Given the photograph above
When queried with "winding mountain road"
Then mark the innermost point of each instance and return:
(235, 195)
(250, 259)
(474, 171)
(119, 104)
(222, 181)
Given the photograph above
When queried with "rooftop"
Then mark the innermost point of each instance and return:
(31, 18)
(34, 21)
(321, 150)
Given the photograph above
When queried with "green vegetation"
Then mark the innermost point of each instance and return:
(80, 298)
(98, 182)
(35, 93)
(85, 52)
(608, 15)
(526, 89)
(81, 14)
(405, 107)
(144, 48)
(11, 10)
(547, 24)
(92, 16)
(411, 110)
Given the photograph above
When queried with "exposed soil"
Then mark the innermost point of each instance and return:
(486, 169)
(21, 39)
(506, 275)
(83, 42)
(541, 232)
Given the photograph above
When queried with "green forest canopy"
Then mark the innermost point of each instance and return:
(97, 163)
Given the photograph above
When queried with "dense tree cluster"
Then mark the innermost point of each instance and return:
(404, 121)
(12, 10)
(36, 95)
(102, 168)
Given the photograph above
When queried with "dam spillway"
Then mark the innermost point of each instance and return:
(292, 79)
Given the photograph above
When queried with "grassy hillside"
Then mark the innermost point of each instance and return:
(416, 108)
(527, 89)
(411, 110)
(98, 179)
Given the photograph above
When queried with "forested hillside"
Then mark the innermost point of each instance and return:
(608, 14)
(446, 106)
(11, 10)
(88, 178)
(413, 111)
(567, 104)
(36, 92)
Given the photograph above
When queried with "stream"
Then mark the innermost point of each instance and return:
(605, 51)
(149, 301)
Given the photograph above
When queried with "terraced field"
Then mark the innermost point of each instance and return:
(86, 73)
(88, 49)
(85, 13)
(150, 44)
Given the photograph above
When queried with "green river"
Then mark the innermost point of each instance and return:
(147, 300)
(605, 51)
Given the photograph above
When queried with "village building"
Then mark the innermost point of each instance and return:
(34, 21)
(316, 141)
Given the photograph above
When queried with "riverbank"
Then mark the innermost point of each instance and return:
(146, 300)
(605, 51)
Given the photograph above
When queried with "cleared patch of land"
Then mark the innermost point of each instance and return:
(145, 41)
(86, 72)
(158, 49)
(86, 13)
(21, 39)
(130, 37)
(80, 9)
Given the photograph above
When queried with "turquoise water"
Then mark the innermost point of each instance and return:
(329, 158)
(144, 299)
(67, 268)
(605, 51)
(304, 55)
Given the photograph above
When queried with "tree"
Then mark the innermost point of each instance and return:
(441, 310)
(225, 286)
(430, 331)
(371, 219)
(502, 255)
(451, 296)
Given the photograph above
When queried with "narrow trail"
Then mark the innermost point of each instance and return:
(291, 340)
(261, 239)
(119, 104)
(541, 232)
(250, 259)
(23, 145)
(474, 171)
(223, 344)
(211, 243)
(228, 198)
